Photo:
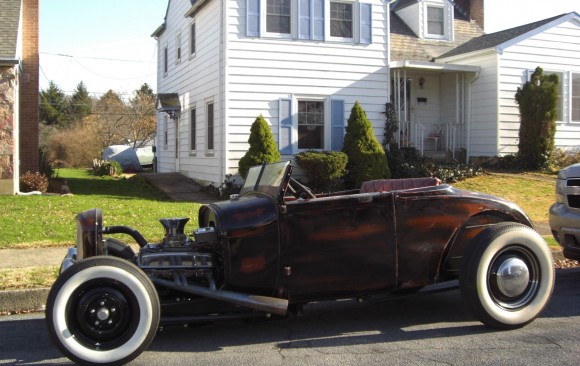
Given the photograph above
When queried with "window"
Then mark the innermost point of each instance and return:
(178, 48)
(341, 19)
(278, 16)
(165, 60)
(193, 127)
(435, 21)
(210, 126)
(165, 134)
(192, 38)
(310, 124)
(575, 97)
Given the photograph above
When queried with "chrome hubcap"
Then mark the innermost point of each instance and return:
(513, 277)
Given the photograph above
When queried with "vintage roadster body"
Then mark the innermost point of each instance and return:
(277, 246)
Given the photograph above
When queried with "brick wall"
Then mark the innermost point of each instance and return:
(29, 97)
(473, 9)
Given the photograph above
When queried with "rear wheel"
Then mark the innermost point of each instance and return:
(102, 311)
(507, 276)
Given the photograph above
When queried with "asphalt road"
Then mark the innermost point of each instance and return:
(431, 329)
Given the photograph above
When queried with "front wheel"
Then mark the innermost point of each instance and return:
(102, 311)
(507, 276)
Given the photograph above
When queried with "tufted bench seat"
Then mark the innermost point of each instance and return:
(386, 185)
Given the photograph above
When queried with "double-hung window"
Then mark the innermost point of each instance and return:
(178, 48)
(341, 19)
(435, 21)
(165, 60)
(192, 40)
(278, 16)
(210, 126)
(575, 97)
(193, 129)
(310, 124)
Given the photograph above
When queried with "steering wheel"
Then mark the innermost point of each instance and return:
(299, 190)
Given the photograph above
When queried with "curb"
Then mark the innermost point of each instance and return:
(12, 301)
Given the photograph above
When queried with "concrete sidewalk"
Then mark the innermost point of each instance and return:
(175, 185)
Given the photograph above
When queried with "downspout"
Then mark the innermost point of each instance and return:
(222, 98)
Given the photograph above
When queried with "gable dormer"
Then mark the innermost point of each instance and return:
(428, 19)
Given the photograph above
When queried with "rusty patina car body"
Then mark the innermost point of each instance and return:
(277, 246)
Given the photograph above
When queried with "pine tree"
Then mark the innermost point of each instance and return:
(80, 103)
(366, 157)
(262, 147)
(53, 106)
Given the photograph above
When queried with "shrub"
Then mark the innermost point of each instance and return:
(560, 159)
(537, 101)
(224, 190)
(366, 157)
(262, 147)
(323, 169)
(33, 182)
(408, 163)
(106, 167)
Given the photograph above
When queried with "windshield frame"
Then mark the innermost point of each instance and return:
(271, 179)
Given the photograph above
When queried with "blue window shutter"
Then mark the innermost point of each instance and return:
(253, 18)
(317, 20)
(285, 126)
(366, 26)
(304, 19)
(337, 124)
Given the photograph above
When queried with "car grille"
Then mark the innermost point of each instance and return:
(573, 201)
(573, 182)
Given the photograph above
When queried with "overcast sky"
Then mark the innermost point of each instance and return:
(107, 44)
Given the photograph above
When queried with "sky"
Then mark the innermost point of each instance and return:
(107, 44)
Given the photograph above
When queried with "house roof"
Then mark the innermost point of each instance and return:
(406, 45)
(502, 39)
(9, 21)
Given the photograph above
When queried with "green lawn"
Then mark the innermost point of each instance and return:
(49, 220)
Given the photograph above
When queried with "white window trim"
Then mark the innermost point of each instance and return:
(327, 120)
(193, 152)
(264, 19)
(208, 151)
(192, 54)
(165, 132)
(447, 22)
(355, 21)
(178, 48)
(165, 59)
(570, 95)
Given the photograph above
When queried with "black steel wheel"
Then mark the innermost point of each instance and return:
(102, 311)
(507, 276)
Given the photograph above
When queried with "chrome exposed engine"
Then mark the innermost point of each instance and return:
(177, 251)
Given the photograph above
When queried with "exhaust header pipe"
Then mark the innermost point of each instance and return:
(262, 303)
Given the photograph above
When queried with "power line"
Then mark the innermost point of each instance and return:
(94, 58)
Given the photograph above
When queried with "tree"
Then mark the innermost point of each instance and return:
(537, 101)
(142, 121)
(80, 104)
(366, 157)
(53, 106)
(109, 117)
(262, 147)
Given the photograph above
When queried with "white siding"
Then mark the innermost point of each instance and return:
(260, 71)
(556, 49)
(196, 80)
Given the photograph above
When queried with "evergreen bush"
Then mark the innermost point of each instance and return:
(366, 157)
(262, 147)
(537, 100)
(324, 169)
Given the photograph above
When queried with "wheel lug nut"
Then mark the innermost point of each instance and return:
(96, 323)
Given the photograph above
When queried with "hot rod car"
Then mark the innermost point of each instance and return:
(277, 246)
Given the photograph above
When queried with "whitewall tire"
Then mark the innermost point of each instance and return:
(507, 276)
(102, 311)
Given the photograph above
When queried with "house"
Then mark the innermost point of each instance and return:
(506, 59)
(18, 91)
(301, 64)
